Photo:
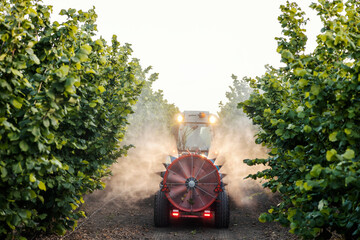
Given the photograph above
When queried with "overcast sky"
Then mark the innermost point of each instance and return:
(195, 45)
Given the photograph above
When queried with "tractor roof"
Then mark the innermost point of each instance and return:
(196, 116)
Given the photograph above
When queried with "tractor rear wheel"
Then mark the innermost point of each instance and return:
(161, 210)
(222, 212)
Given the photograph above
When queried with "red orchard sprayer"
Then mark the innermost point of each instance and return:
(192, 185)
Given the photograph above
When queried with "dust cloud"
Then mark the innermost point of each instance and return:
(234, 141)
(136, 176)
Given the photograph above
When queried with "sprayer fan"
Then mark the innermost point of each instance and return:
(191, 182)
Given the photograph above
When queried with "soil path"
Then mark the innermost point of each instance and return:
(117, 218)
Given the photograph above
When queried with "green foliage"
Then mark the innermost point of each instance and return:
(64, 104)
(309, 113)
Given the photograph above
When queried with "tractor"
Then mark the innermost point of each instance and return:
(192, 185)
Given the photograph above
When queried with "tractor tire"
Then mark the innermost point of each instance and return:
(161, 210)
(222, 210)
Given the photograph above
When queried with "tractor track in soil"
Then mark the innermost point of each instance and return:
(122, 218)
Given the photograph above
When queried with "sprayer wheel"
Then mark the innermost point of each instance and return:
(161, 210)
(222, 213)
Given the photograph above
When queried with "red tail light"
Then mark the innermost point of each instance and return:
(175, 213)
(207, 214)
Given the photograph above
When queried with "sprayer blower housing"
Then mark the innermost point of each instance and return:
(192, 185)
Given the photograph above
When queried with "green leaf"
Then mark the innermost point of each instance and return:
(73, 206)
(56, 162)
(70, 89)
(17, 72)
(300, 72)
(32, 194)
(16, 103)
(92, 105)
(291, 213)
(349, 154)
(300, 109)
(20, 65)
(32, 177)
(286, 54)
(46, 123)
(99, 42)
(315, 90)
(42, 216)
(36, 132)
(17, 168)
(101, 89)
(274, 151)
(330, 154)
(307, 128)
(3, 172)
(322, 204)
(77, 83)
(86, 49)
(279, 132)
(24, 214)
(24, 146)
(102, 60)
(41, 147)
(262, 217)
(307, 187)
(34, 58)
(302, 83)
(267, 112)
(301, 115)
(42, 186)
(348, 131)
(70, 82)
(316, 170)
(332, 137)
(60, 229)
(62, 71)
(41, 198)
(90, 71)
(13, 136)
(82, 57)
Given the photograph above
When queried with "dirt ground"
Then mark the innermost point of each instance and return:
(117, 218)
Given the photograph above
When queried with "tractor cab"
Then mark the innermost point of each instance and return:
(194, 132)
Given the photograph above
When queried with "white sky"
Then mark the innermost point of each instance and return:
(195, 45)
